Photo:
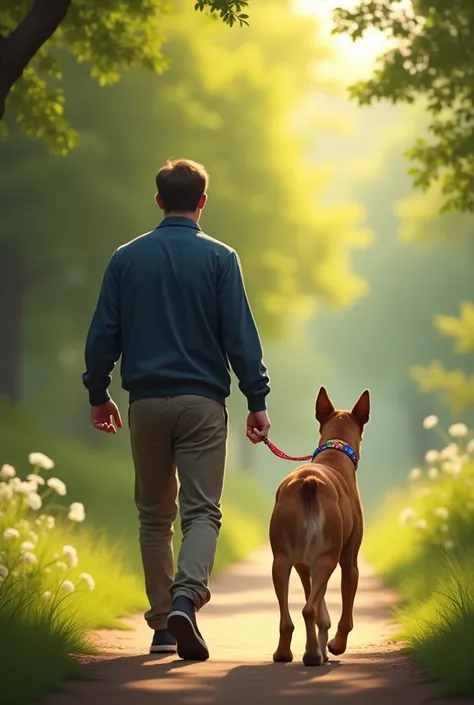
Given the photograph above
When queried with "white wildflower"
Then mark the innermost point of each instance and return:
(50, 522)
(415, 474)
(442, 513)
(14, 483)
(29, 558)
(57, 485)
(407, 516)
(9, 534)
(40, 460)
(60, 565)
(37, 479)
(47, 595)
(448, 544)
(48, 570)
(431, 456)
(6, 491)
(25, 488)
(450, 452)
(23, 526)
(3, 573)
(88, 580)
(421, 524)
(432, 473)
(458, 430)
(27, 546)
(71, 554)
(452, 467)
(77, 512)
(34, 501)
(470, 447)
(69, 551)
(7, 471)
(68, 586)
(33, 537)
(430, 422)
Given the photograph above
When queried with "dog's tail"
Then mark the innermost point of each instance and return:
(309, 492)
(312, 513)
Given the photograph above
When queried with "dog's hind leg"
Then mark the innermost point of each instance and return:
(324, 568)
(305, 577)
(281, 581)
(323, 621)
(349, 583)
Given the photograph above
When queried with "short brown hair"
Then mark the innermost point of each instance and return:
(181, 184)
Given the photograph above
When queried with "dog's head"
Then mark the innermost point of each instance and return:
(342, 425)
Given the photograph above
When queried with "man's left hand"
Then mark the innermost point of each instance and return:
(103, 417)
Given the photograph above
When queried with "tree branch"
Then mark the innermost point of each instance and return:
(17, 50)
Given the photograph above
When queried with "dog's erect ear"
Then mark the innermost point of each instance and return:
(324, 406)
(361, 410)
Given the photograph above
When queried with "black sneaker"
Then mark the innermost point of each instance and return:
(182, 625)
(163, 642)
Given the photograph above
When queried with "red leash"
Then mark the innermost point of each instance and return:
(280, 454)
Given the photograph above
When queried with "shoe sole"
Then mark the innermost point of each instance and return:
(190, 645)
(168, 649)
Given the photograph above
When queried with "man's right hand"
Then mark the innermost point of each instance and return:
(258, 426)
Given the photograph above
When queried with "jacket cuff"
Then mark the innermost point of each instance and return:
(257, 403)
(99, 398)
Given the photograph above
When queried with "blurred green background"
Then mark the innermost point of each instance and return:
(346, 264)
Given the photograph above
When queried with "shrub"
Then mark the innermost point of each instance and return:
(422, 544)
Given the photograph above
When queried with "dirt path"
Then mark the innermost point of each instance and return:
(241, 628)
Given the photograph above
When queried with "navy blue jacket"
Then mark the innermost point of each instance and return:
(173, 305)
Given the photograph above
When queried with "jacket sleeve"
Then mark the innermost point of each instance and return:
(103, 344)
(240, 336)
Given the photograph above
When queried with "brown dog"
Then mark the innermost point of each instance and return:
(317, 522)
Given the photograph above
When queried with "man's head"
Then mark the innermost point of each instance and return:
(182, 186)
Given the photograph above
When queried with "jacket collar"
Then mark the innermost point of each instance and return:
(180, 222)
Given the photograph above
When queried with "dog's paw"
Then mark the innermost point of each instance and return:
(313, 658)
(281, 656)
(337, 646)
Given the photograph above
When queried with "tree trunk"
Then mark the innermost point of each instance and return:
(17, 50)
(11, 302)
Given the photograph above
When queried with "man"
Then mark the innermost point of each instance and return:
(173, 304)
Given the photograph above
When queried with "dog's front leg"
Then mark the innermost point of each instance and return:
(281, 581)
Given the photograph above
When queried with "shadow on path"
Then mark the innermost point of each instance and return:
(241, 628)
(369, 678)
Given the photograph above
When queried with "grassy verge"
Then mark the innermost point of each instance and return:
(34, 657)
(421, 543)
(42, 620)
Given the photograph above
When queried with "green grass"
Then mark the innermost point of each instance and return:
(37, 636)
(435, 579)
(440, 631)
(34, 658)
